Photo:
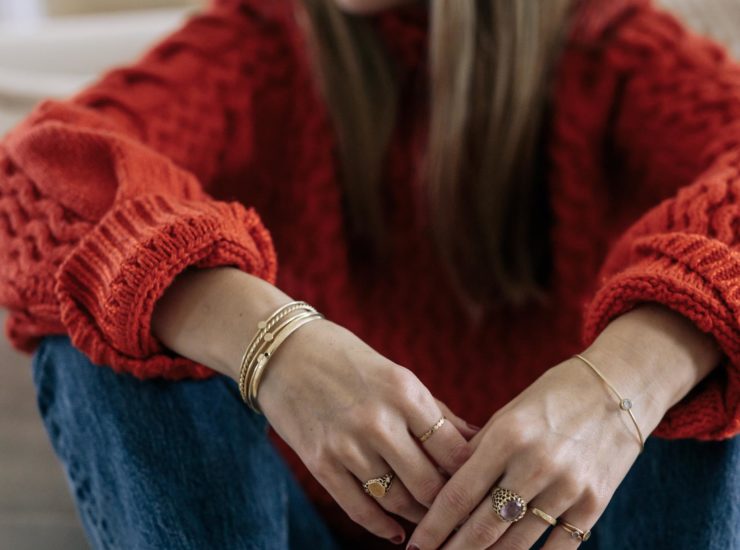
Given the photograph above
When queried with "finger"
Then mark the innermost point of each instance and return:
(344, 489)
(467, 429)
(445, 444)
(583, 515)
(397, 500)
(553, 501)
(485, 527)
(414, 468)
(460, 495)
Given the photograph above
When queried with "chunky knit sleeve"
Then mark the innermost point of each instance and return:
(103, 197)
(676, 132)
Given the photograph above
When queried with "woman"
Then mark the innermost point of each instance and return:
(470, 193)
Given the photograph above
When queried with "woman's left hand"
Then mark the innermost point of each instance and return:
(564, 445)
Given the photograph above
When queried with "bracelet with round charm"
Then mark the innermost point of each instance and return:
(263, 358)
(270, 334)
(263, 327)
(624, 403)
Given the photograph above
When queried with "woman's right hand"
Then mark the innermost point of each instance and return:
(349, 413)
(352, 415)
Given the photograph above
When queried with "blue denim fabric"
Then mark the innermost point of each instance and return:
(168, 465)
(185, 465)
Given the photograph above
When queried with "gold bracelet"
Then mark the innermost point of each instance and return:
(624, 403)
(263, 329)
(264, 357)
(267, 341)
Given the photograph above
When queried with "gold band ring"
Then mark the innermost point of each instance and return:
(575, 532)
(378, 487)
(430, 432)
(508, 505)
(544, 516)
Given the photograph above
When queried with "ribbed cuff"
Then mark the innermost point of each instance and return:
(700, 279)
(108, 286)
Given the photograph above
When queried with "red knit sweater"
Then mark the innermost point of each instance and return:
(216, 149)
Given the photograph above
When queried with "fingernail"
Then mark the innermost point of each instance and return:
(472, 427)
(398, 539)
(412, 547)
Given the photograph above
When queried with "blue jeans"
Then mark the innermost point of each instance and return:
(185, 465)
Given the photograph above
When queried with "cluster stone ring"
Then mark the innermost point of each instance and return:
(430, 432)
(508, 505)
(378, 486)
(574, 532)
(543, 516)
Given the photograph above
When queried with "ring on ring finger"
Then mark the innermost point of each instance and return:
(378, 487)
(544, 516)
(574, 532)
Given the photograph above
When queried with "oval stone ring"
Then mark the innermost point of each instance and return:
(378, 486)
(508, 505)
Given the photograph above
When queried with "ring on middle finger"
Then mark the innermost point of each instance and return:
(544, 516)
(508, 505)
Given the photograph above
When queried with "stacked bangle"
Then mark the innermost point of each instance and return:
(270, 334)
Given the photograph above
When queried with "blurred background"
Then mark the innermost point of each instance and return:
(52, 48)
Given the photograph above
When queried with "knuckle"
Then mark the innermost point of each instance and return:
(591, 500)
(362, 516)
(455, 499)
(428, 489)
(403, 506)
(406, 386)
(514, 432)
(458, 454)
(515, 540)
(321, 467)
(483, 533)
(570, 485)
(345, 453)
(374, 425)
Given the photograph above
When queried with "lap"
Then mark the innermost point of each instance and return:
(157, 464)
(682, 495)
(160, 464)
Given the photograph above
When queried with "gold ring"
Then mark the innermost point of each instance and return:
(543, 515)
(436, 426)
(378, 487)
(575, 532)
(508, 505)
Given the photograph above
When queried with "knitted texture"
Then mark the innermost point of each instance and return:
(215, 148)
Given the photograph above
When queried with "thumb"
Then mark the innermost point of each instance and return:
(465, 428)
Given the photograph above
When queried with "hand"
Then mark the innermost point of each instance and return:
(563, 444)
(352, 415)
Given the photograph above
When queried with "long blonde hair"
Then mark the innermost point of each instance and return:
(490, 66)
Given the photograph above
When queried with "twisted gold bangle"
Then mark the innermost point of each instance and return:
(624, 403)
(263, 358)
(263, 329)
(267, 343)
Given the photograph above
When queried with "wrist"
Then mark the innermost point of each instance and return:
(653, 356)
(210, 315)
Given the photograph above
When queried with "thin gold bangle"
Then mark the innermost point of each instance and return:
(266, 342)
(264, 338)
(624, 403)
(265, 357)
(263, 327)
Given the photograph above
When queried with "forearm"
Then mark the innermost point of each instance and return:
(654, 356)
(209, 315)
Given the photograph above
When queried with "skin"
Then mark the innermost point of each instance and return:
(352, 414)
